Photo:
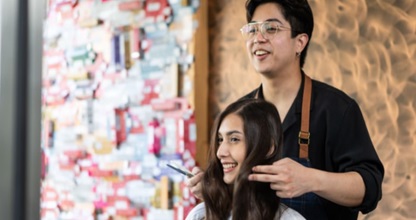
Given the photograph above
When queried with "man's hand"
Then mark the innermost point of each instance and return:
(286, 176)
(194, 183)
(291, 179)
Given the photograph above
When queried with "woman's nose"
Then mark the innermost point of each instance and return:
(222, 150)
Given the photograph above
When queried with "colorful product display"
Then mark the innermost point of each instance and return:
(115, 110)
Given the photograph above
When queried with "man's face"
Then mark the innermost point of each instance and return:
(271, 55)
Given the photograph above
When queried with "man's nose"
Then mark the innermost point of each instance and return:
(259, 37)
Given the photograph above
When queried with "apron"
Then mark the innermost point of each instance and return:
(309, 205)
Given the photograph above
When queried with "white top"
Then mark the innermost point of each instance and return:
(198, 213)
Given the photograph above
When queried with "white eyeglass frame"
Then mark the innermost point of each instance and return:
(247, 36)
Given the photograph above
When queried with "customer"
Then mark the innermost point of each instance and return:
(246, 134)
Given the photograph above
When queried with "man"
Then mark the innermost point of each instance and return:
(331, 169)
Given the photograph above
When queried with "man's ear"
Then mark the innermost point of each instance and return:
(301, 42)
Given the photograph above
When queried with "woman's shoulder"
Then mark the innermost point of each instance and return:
(287, 213)
(197, 213)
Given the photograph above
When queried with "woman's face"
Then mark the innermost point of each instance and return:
(231, 146)
(278, 53)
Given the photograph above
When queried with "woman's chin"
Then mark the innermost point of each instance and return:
(229, 179)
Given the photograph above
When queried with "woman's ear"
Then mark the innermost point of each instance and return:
(271, 149)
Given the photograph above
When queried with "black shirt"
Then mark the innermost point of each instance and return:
(339, 142)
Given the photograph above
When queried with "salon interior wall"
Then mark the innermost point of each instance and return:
(367, 48)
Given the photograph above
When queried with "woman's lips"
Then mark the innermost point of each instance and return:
(228, 167)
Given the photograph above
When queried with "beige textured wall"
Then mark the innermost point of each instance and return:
(367, 48)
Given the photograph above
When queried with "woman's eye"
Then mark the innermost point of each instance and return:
(233, 140)
(219, 140)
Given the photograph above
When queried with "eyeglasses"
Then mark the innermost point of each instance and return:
(268, 29)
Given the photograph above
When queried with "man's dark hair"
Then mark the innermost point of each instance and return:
(297, 12)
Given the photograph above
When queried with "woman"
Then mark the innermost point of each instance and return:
(246, 134)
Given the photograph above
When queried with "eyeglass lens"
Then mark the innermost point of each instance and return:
(268, 29)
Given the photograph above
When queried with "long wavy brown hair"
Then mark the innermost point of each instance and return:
(245, 199)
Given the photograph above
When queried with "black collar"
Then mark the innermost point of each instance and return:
(295, 108)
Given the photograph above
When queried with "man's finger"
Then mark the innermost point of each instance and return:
(266, 169)
(265, 178)
(191, 182)
(196, 170)
(285, 194)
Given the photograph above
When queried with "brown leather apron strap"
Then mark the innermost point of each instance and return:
(304, 134)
